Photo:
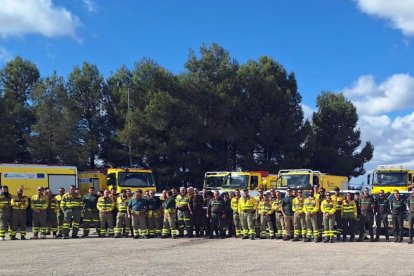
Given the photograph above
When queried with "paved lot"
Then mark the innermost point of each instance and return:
(95, 256)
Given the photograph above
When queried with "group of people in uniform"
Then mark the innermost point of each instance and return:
(297, 215)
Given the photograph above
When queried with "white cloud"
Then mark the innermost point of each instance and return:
(394, 94)
(399, 13)
(5, 55)
(392, 136)
(307, 112)
(18, 18)
(91, 6)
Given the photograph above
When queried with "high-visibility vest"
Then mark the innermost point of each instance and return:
(71, 202)
(39, 202)
(328, 207)
(338, 199)
(182, 201)
(247, 204)
(276, 205)
(235, 204)
(298, 205)
(122, 204)
(264, 208)
(349, 209)
(311, 205)
(19, 203)
(105, 204)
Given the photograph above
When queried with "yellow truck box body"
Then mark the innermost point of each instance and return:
(29, 177)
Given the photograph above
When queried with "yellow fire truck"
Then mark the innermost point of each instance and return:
(118, 178)
(29, 177)
(390, 178)
(229, 181)
(305, 179)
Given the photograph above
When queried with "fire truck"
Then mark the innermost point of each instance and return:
(229, 181)
(390, 178)
(305, 179)
(118, 178)
(31, 176)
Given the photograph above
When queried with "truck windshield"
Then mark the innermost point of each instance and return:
(135, 179)
(301, 181)
(390, 179)
(213, 182)
(236, 181)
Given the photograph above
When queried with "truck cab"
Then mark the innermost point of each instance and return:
(390, 178)
(229, 181)
(118, 178)
(305, 179)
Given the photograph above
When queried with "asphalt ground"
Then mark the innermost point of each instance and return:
(185, 256)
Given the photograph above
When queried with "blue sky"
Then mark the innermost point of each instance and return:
(362, 47)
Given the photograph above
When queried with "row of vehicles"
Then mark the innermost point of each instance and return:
(387, 178)
(296, 178)
(29, 177)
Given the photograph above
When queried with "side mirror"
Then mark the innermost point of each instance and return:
(111, 179)
(368, 179)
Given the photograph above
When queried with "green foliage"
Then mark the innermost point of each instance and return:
(53, 138)
(17, 80)
(215, 115)
(336, 139)
(86, 101)
(273, 115)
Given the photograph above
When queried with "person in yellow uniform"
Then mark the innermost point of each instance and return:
(247, 208)
(259, 198)
(183, 213)
(311, 208)
(280, 221)
(299, 223)
(60, 211)
(52, 214)
(123, 223)
(5, 200)
(19, 204)
(39, 204)
(71, 205)
(169, 216)
(338, 198)
(349, 213)
(265, 212)
(105, 207)
(328, 208)
(154, 215)
(234, 204)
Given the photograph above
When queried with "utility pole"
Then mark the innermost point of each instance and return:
(129, 132)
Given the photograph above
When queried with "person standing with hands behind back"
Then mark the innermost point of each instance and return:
(397, 211)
